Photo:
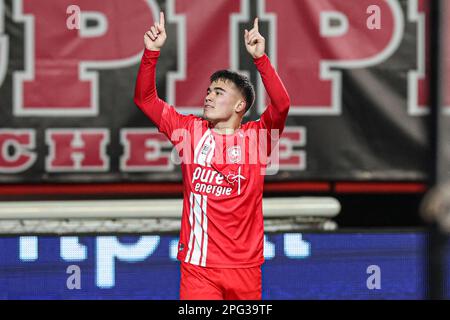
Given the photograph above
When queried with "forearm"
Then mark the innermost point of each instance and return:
(274, 86)
(145, 94)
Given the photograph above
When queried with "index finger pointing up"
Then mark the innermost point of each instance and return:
(161, 18)
(255, 24)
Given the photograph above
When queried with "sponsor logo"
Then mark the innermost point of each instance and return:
(233, 178)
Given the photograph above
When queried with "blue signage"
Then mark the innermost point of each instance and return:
(298, 266)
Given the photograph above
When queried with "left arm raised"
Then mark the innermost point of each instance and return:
(274, 117)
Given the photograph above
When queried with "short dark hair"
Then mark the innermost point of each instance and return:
(241, 82)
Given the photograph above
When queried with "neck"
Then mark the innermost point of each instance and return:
(228, 127)
(224, 130)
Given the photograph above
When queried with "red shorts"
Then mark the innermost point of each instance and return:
(200, 283)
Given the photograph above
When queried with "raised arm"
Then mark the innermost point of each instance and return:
(164, 116)
(145, 94)
(274, 117)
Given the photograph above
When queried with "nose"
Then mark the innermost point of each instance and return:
(208, 97)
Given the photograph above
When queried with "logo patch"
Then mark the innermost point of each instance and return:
(205, 149)
(234, 154)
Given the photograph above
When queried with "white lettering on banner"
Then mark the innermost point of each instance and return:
(295, 247)
(84, 150)
(183, 88)
(269, 249)
(28, 248)
(91, 49)
(110, 251)
(289, 157)
(143, 151)
(100, 28)
(326, 80)
(72, 250)
(318, 74)
(327, 29)
(77, 150)
(16, 153)
(419, 13)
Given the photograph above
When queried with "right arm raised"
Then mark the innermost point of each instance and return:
(145, 94)
(146, 97)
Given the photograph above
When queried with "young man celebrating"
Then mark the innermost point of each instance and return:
(222, 231)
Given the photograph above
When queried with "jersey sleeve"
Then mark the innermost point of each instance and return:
(163, 115)
(275, 115)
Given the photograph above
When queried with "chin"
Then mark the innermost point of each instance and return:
(206, 116)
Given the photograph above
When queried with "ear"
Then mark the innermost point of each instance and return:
(240, 106)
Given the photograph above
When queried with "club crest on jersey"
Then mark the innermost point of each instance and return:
(234, 154)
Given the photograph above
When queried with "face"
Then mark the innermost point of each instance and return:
(222, 101)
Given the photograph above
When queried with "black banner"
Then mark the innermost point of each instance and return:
(356, 72)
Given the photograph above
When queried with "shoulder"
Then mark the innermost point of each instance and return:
(193, 121)
(251, 125)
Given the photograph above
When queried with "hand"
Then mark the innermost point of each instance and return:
(155, 37)
(254, 41)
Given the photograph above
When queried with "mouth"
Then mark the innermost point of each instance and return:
(207, 106)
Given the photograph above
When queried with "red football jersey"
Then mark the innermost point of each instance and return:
(223, 175)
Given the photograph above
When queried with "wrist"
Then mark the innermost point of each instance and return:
(259, 56)
(149, 53)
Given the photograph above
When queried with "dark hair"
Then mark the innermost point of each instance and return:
(242, 83)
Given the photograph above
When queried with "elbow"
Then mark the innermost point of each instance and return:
(284, 107)
(286, 103)
(137, 101)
